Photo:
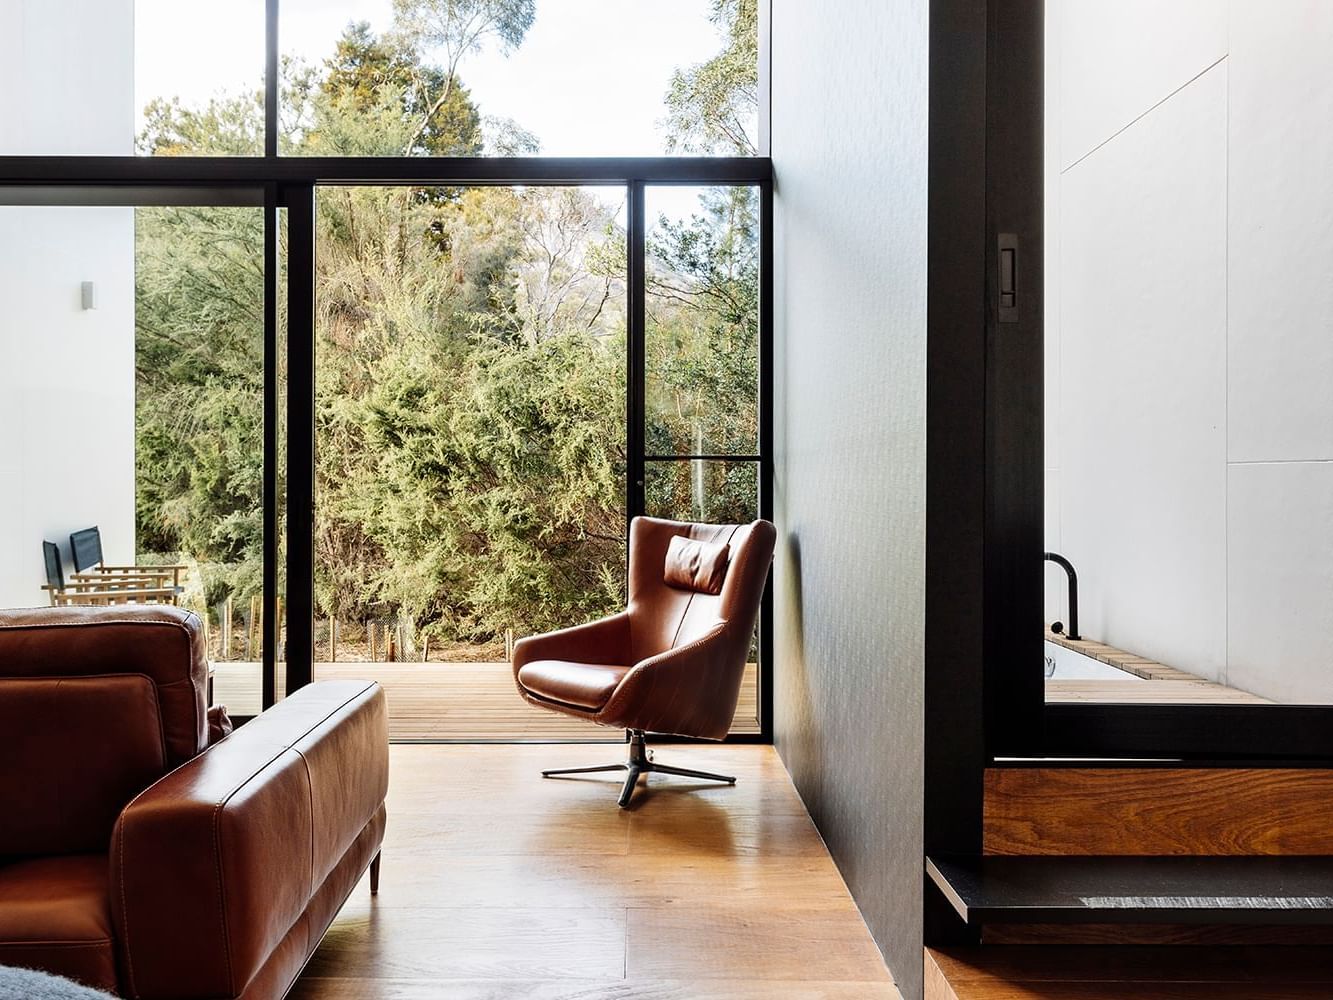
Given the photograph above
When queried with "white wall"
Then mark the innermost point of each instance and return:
(1190, 333)
(849, 144)
(66, 374)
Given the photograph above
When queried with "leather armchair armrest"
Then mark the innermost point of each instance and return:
(670, 692)
(213, 864)
(603, 641)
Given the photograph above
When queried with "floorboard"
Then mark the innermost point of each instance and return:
(499, 884)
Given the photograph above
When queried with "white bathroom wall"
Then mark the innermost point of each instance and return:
(1190, 333)
(66, 373)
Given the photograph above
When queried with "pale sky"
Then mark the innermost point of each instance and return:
(588, 80)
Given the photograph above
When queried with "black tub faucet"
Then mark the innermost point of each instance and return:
(1068, 567)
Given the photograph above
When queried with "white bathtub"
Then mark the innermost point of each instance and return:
(1063, 664)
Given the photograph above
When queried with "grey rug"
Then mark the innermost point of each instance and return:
(24, 984)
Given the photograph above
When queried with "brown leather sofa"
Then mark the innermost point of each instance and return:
(136, 858)
(673, 661)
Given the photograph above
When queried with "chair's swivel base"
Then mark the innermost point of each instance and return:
(640, 762)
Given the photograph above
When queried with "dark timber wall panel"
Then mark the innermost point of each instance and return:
(849, 146)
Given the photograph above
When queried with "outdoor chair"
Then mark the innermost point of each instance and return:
(117, 585)
(146, 582)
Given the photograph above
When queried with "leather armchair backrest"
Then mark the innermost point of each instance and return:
(664, 617)
(95, 705)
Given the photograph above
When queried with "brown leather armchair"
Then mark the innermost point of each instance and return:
(673, 661)
(137, 859)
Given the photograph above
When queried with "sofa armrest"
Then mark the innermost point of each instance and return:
(213, 864)
(603, 641)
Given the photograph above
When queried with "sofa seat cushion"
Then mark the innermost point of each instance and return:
(55, 916)
(583, 685)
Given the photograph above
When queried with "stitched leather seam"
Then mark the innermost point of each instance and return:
(124, 903)
(566, 704)
(222, 891)
(89, 943)
(310, 952)
(310, 794)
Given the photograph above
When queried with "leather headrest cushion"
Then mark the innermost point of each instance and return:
(695, 565)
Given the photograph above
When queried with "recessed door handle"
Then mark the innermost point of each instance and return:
(1008, 287)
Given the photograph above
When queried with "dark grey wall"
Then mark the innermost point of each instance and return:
(849, 144)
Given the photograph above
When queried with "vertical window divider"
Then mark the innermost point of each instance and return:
(766, 448)
(270, 487)
(637, 321)
(272, 91)
(299, 648)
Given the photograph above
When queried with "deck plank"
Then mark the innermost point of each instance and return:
(452, 701)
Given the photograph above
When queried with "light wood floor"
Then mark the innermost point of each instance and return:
(499, 885)
(453, 701)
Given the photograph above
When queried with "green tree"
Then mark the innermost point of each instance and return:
(713, 107)
(470, 350)
(456, 28)
(199, 389)
(416, 110)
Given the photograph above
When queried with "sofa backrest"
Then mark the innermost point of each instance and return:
(95, 705)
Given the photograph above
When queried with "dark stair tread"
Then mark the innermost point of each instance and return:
(1177, 890)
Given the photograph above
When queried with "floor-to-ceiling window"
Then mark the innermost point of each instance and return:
(412, 323)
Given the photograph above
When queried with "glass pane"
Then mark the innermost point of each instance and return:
(549, 77)
(702, 333)
(470, 476)
(705, 491)
(119, 77)
(1189, 353)
(131, 416)
(720, 493)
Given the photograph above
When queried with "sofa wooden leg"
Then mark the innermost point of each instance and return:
(375, 873)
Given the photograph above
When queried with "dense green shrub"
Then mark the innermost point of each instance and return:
(470, 353)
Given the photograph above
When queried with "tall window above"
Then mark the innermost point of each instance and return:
(382, 77)
(519, 77)
(198, 77)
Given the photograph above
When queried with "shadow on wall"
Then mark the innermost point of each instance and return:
(797, 743)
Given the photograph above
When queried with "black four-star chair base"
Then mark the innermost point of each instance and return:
(640, 762)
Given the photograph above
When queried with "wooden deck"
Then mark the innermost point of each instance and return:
(452, 701)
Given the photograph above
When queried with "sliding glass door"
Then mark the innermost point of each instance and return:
(470, 446)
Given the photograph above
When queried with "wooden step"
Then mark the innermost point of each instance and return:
(1115, 973)
(1108, 890)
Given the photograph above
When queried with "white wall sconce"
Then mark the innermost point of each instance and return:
(89, 293)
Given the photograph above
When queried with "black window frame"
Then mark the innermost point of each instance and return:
(289, 183)
(1019, 722)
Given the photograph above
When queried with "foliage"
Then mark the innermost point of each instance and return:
(703, 328)
(377, 97)
(199, 388)
(470, 346)
(713, 107)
